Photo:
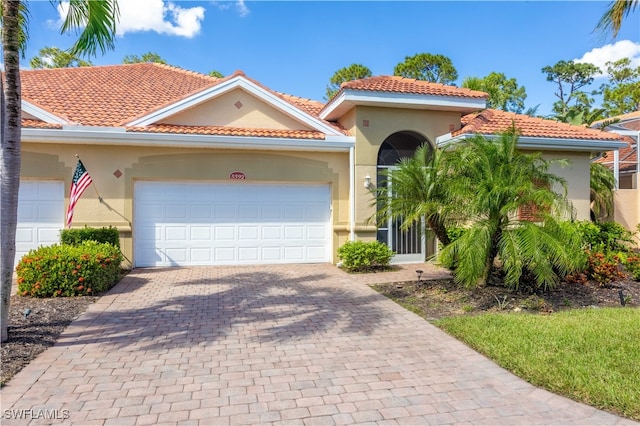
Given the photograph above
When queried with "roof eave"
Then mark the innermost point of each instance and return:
(542, 144)
(348, 99)
(119, 137)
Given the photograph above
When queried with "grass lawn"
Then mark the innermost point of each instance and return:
(589, 355)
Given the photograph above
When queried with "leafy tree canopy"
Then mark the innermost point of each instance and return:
(352, 72)
(146, 57)
(504, 93)
(427, 67)
(570, 77)
(622, 93)
(216, 74)
(53, 57)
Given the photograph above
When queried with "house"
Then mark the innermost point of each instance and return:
(625, 164)
(197, 170)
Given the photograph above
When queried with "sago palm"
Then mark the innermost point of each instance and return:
(498, 181)
(418, 192)
(95, 22)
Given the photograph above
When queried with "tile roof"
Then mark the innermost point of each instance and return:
(395, 84)
(114, 95)
(228, 131)
(630, 120)
(492, 121)
(109, 95)
(39, 124)
(627, 157)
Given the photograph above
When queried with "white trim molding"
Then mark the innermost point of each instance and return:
(543, 144)
(347, 99)
(42, 114)
(227, 86)
(118, 137)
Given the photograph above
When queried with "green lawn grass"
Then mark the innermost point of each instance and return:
(589, 355)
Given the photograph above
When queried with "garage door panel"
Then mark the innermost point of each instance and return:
(231, 223)
(40, 215)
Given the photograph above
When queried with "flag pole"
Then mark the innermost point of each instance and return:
(93, 184)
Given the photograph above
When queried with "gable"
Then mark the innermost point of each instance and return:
(236, 108)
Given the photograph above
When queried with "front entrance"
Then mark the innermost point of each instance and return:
(409, 244)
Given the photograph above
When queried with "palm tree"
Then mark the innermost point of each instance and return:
(602, 182)
(498, 181)
(96, 23)
(418, 192)
(611, 20)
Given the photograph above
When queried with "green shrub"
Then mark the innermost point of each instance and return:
(360, 256)
(102, 235)
(604, 237)
(69, 270)
(632, 265)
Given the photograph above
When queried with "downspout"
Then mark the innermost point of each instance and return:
(352, 194)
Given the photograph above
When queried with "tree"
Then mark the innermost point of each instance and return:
(570, 77)
(622, 93)
(418, 191)
(53, 57)
(601, 185)
(95, 23)
(216, 74)
(497, 181)
(352, 72)
(504, 93)
(146, 57)
(612, 19)
(427, 67)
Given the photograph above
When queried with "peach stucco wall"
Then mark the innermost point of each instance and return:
(627, 209)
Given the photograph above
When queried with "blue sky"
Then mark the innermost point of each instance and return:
(295, 47)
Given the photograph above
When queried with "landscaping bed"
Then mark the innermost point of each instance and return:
(442, 298)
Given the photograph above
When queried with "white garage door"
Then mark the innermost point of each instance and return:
(180, 224)
(40, 215)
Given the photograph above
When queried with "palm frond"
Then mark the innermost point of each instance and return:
(95, 21)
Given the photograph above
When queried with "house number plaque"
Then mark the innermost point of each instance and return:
(237, 176)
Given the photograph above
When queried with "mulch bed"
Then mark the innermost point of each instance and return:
(30, 335)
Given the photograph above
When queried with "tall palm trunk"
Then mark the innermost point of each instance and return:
(10, 153)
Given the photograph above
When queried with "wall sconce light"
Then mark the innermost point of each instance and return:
(367, 182)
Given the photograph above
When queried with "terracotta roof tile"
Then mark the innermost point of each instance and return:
(109, 95)
(228, 131)
(492, 121)
(386, 83)
(38, 124)
(115, 95)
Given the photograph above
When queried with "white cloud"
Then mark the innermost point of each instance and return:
(611, 53)
(240, 6)
(153, 15)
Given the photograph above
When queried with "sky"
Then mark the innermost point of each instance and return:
(296, 46)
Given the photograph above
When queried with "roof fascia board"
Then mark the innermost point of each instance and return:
(42, 114)
(349, 98)
(544, 144)
(225, 87)
(119, 138)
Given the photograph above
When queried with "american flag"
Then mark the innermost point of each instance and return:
(81, 180)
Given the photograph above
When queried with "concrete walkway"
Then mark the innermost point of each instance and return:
(293, 344)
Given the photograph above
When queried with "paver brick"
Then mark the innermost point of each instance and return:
(280, 344)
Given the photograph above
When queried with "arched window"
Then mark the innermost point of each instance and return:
(408, 244)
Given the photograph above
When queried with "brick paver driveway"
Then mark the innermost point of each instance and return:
(302, 344)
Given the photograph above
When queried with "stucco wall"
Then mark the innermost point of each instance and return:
(236, 109)
(627, 209)
(576, 173)
(57, 161)
(372, 126)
